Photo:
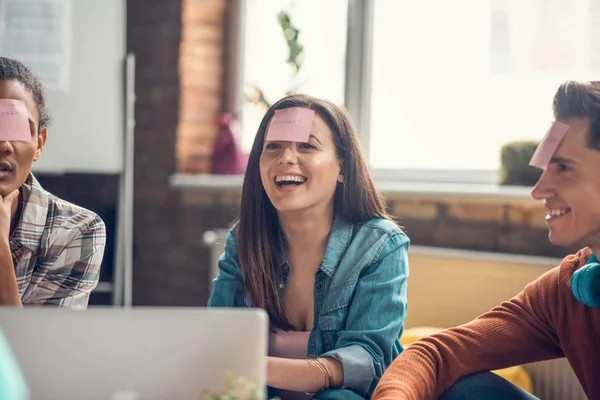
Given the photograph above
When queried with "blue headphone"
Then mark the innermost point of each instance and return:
(585, 283)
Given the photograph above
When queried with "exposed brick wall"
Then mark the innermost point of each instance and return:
(201, 57)
(500, 228)
(178, 90)
(179, 79)
(486, 227)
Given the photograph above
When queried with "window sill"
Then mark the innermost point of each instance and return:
(460, 192)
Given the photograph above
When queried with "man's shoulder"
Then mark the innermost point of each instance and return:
(572, 262)
(569, 264)
(556, 282)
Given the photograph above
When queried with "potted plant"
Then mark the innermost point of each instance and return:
(514, 159)
(291, 35)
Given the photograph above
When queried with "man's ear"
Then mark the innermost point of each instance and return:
(41, 141)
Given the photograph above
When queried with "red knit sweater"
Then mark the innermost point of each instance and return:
(542, 322)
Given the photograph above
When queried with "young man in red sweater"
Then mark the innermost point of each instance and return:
(558, 315)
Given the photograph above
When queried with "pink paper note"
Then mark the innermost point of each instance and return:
(291, 124)
(14, 123)
(545, 150)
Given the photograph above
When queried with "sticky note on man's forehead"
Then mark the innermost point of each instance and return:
(291, 124)
(14, 121)
(547, 147)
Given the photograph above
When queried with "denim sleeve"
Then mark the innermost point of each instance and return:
(369, 341)
(227, 290)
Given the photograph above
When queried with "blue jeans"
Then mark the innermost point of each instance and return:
(337, 394)
(485, 386)
(328, 394)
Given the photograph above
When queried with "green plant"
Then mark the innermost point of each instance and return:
(295, 59)
(515, 168)
(237, 388)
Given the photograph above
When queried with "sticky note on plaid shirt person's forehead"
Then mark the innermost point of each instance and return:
(14, 121)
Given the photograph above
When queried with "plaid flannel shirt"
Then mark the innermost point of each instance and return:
(57, 248)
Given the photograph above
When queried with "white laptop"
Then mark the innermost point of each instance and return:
(136, 354)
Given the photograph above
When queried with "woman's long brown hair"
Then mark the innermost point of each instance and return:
(258, 229)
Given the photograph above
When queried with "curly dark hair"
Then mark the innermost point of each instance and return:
(12, 70)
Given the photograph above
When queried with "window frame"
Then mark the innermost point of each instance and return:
(359, 56)
(359, 45)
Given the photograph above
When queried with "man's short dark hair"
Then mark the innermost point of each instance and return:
(575, 99)
(12, 70)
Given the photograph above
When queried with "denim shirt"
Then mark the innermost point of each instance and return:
(359, 297)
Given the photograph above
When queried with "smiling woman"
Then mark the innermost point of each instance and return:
(309, 169)
(315, 248)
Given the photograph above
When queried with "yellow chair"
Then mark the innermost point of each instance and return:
(515, 375)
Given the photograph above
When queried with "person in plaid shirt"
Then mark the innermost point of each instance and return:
(50, 250)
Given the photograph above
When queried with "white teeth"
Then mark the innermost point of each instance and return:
(289, 178)
(556, 212)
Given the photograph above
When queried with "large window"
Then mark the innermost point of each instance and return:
(440, 85)
(321, 27)
(452, 81)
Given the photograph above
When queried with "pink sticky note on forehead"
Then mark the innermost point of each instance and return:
(291, 124)
(14, 122)
(547, 147)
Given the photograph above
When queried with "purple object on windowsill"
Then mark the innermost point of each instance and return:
(228, 157)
